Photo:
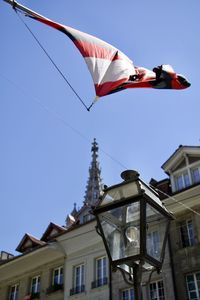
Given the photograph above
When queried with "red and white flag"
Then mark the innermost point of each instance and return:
(111, 69)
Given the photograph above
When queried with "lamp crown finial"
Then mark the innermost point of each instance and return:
(130, 175)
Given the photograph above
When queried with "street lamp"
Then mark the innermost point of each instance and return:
(134, 225)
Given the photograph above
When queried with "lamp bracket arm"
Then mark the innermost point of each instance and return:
(150, 275)
(97, 230)
(128, 281)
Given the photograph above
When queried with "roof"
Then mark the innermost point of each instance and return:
(178, 154)
(163, 187)
(52, 231)
(29, 242)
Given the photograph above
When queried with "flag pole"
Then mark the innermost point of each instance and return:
(25, 9)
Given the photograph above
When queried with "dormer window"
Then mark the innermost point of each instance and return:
(183, 166)
(182, 180)
(186, 178)
(195, 174)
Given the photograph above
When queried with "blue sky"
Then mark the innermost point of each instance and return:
(45, 132)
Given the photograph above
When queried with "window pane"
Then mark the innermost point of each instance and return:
(14, 292)
(61, 276)
(35, 285)
(198, 276)
(186, 179)
(101, 271)
(58, 276)
(157, 291)
(184, 234)
(196, 175)
(79, 278)
(192, 281)
(179, 183)
(187, 233)
(191, 286)
(190, 278)
(193, 295)
(128, 294)
(182, 181)
(125, 295)
(191, 233)
(104, 268)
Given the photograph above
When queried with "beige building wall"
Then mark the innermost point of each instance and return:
(186, 260)
(22, 269)
(79, 246)
(84, 246)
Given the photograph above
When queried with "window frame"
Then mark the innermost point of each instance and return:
(36, 289)
(14, 295)
(187, 233)
(182, 180)
(186, 175)
(60, 276)
(101, 272)
(194, 179)
(79, 279)
(128, 294)
(195, 282)
(157, 289)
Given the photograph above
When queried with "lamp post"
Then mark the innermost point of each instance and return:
(134, 225)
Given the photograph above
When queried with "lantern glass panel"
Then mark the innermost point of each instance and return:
(121, 230)
(155, 232)
(120, 192)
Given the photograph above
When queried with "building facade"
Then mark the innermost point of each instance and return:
(70, 262)
(183, 168)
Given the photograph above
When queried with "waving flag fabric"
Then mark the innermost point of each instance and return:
(111, 69)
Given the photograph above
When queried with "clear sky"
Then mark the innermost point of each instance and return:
(45, 132)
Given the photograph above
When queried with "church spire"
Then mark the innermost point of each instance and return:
(92, 193)
(94, 184)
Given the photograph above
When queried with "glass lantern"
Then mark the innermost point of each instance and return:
(133, 223)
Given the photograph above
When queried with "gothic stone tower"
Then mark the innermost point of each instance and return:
(92, 193)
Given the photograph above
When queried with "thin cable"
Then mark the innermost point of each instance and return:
(175, 200)
(57, 116)
(114, 159)
(54, 64)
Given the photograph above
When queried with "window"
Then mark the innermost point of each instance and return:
(153, 244)
(157, 290)
(78, 280)
(193, 286)
(195, 175)
(58, 276)
(87, 218)
(187, 233)
(128, 294)
(14, 291)
(182, 181)
(35, 285)
(57, 280)
(100, 272)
